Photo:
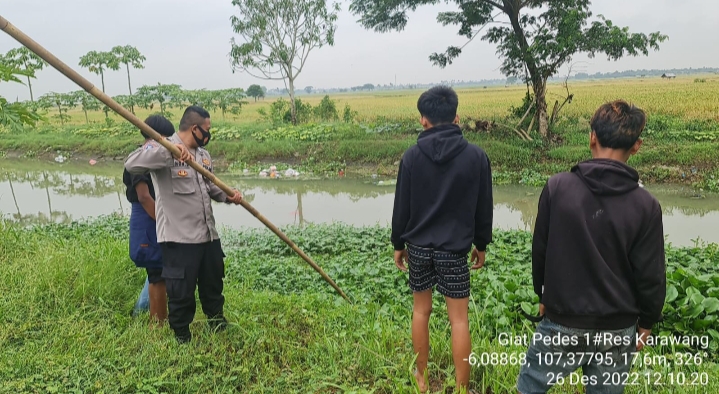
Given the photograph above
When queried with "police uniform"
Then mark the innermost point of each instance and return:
(191, 250)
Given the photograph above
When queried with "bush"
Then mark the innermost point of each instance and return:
(311, 133)
(348, 116)
(326, 110)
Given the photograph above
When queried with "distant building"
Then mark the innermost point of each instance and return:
(669, 75)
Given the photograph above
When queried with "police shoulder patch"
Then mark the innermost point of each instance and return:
(149, 145)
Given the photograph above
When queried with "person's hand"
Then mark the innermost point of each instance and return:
(477, 259)
(235, 198)
(643, 337)
(400, 259)
(184, 153)
(541, 309)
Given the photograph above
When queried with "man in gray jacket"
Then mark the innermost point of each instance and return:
(191, 250)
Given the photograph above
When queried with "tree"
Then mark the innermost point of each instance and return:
(308, 89)
(27, 61)
(63, 102)
(87, 102)
(168, 96)
(255, 91)
(206, 99)
(229, 100)
(533, 37)
(127, 101)
(278, 37)
(15, 115)
(129, 56)
(99, 62)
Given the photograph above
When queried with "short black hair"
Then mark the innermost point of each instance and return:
(160, 124)
(439, 105)
(618, 124)
(194, 115)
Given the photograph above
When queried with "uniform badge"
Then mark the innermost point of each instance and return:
(182, 173)
(206, 162)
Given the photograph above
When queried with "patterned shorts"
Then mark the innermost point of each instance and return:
(449, 271)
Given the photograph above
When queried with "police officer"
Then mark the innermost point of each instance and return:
(191, 251)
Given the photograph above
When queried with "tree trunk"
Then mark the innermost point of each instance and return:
(12, 190)
(29, 85)
(86, 119)
(299, 208)
(539, 85)
(293, 109)
(119, 200)
(59, 111)
(102, 78)
(129, 86)
(47, 192)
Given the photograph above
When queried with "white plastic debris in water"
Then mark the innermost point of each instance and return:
(245, 171)
(263, 174)
(273, 168)
(374, 176)
(291, 172)
(60, 159)
(380, 183)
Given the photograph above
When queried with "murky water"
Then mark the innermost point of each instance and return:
(40, 192)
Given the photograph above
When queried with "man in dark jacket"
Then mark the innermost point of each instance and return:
(443, 204)
(144, 250)
(598, 262)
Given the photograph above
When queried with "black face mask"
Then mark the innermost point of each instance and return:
(205, 134)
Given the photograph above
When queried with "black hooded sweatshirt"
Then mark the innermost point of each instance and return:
(598, 251)
(443, 199)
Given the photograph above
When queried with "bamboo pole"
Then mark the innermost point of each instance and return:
(28, 42)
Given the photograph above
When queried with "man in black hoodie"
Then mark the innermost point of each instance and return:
(443, 204)
(598, 263)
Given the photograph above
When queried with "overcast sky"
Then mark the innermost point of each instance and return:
(187, 41)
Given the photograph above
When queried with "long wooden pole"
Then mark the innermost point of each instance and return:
(28, 42)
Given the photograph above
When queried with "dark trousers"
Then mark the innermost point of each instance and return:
(186, 266)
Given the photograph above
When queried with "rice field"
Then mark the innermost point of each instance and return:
(680, 97)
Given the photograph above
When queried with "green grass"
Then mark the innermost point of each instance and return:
(67, 291)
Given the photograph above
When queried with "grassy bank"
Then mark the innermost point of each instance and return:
(684, 156)
(67, 291)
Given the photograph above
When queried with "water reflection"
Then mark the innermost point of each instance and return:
(49, 193)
